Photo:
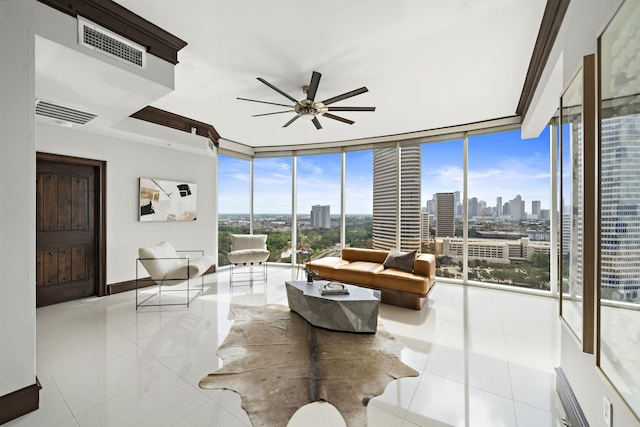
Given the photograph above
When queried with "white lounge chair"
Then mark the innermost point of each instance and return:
(248, 250)
(167, 268)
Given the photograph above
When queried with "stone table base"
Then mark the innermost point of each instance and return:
(356, 312)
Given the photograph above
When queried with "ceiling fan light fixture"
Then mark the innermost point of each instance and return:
(309, 107)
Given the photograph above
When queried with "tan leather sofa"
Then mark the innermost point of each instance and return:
(364, 267)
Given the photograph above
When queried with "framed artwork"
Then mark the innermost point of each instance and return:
(164, 200)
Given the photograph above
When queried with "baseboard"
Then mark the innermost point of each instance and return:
(575, 416)
(20, 402)
(130, 285)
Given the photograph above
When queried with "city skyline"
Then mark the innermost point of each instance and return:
(500, 165)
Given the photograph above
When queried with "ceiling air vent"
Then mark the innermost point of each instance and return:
(59, 112)
(102, 40)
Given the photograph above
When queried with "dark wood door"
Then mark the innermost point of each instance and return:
(66, 232)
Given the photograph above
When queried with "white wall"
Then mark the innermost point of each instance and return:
(127, 161)
(18, 195)
(589, 385)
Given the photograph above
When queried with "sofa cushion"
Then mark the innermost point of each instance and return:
(159, 259)
(195, 267)
(326, 267)
(400, 280)
(248, 241)
(361, 254)
(359, 272)
(400, 260)
(248, 256)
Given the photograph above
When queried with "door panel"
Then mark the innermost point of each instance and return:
(66, 232)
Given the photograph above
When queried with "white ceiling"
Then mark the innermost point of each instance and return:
(427, 63)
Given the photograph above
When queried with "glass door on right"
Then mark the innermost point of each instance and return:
(619, 346)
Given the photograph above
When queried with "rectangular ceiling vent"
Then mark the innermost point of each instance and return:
(66, 114)
(102, 40)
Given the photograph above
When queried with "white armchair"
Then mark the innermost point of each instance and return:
(248, 250)
(167, 268)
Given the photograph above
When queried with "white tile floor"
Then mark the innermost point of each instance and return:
(485, 358)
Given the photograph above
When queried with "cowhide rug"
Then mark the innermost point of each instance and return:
(278, 363)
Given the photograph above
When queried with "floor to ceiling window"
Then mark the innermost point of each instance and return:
(508, 213)
(411, 196)
(272, 204)
(234, 196)
(441, 212)
(318, 182)
(359, 199)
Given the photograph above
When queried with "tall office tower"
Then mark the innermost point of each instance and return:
(445, 215)
(386, 208)
(320, 217)
(473, 207)
(431, 206)
(498, 206)
(620, 208)
(517, 208)
(535, 208)
(458, 204)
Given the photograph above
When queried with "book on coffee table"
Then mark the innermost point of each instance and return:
(334, 289)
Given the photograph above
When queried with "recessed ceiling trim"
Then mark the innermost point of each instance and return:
(432, 135)
(175, 121)
(549, 27)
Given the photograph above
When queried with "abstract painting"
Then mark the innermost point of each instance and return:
(164, 200)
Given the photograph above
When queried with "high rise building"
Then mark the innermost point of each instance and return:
(388, 207)
(431, 206)
(320, 217)
(620, 208)
(445, 215)
(473, 207)
(458, 204)
(517, 208)
(498, 206)
(425, 223)
(535, 208)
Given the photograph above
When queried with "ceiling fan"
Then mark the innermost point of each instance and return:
(309, 107)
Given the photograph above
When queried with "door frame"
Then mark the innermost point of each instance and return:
(100, 167)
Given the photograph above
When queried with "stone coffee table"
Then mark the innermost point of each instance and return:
(356, 312)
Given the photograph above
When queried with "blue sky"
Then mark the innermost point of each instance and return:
(500, 165)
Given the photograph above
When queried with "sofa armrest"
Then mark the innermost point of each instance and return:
(425, 265)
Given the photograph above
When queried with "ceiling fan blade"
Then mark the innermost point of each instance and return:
(313, 86)
(277, 90)
(277, 112)
(264, 102)
(316, 122)
(345, 95)
(291, 121)
(352, 108)
(338, 118)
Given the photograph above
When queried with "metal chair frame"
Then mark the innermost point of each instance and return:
(189, 290)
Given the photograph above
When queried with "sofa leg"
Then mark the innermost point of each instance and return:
(402, 299)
